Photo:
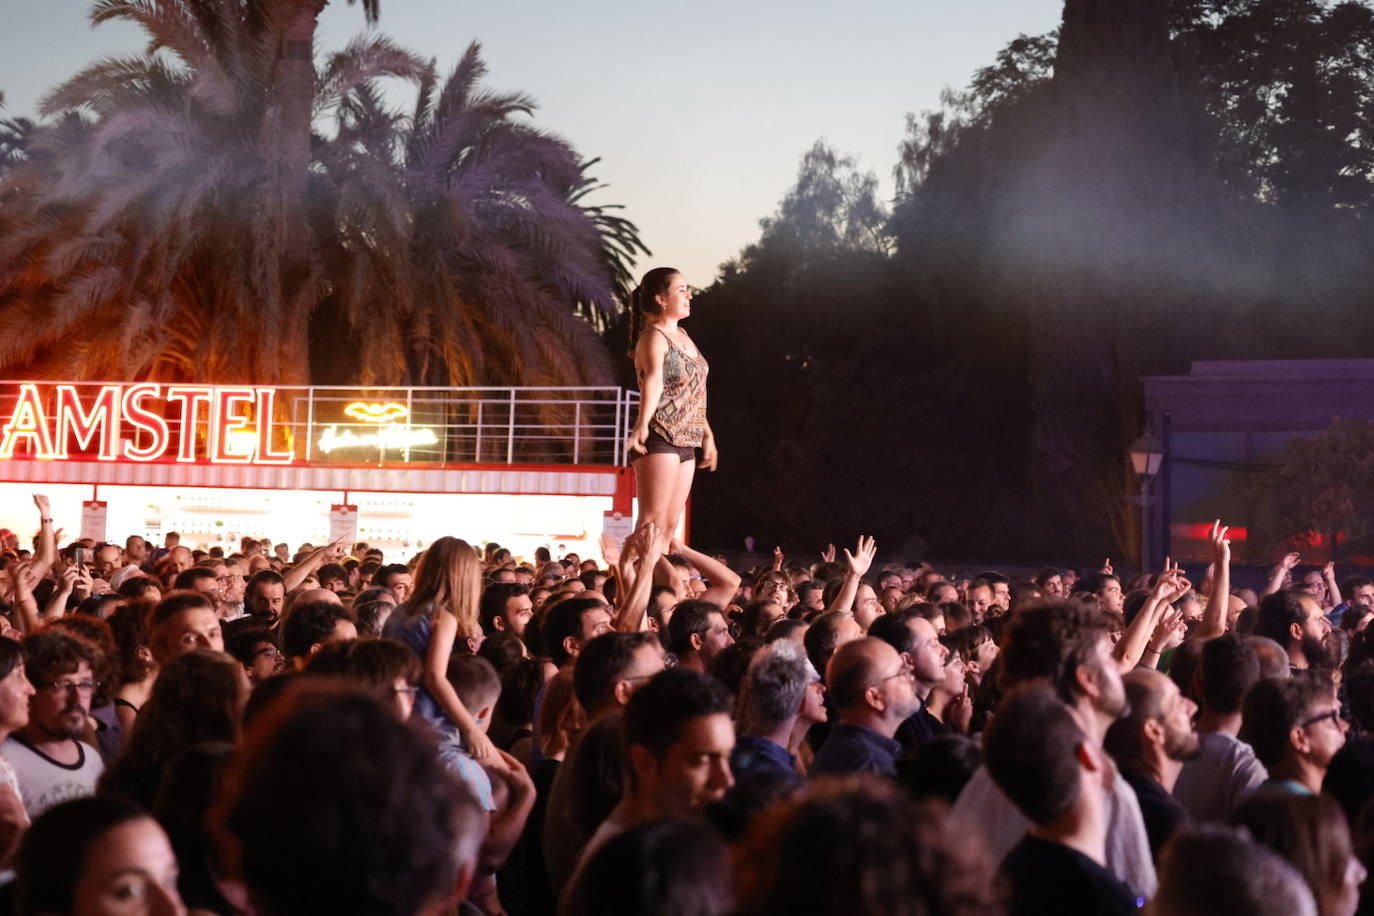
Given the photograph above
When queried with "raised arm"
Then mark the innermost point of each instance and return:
(1281, 569)
(724, 581)
(294, 577)
(858, 564)
(442, 634)
(46, 547)
(1333, 590)
(1213, 622)
(642, 550)
(649, 353)
(1169, 585)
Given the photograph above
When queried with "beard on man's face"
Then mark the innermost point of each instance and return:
(1317, 652)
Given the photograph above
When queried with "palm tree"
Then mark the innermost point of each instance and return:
(449, 245)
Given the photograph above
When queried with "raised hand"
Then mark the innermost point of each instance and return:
(1107, 569)
(1329, 570)
(41, 501)
(610, 550)
(828, 554)
(777, 559)
(1289, 561)
(1220, 544)
(860, 562)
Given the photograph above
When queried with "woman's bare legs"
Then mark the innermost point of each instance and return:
(662, 483)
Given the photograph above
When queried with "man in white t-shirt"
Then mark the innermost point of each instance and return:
(50, 761)
(1214, 783)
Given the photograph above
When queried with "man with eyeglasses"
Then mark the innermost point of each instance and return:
(49, 758)
(875, 689)
(1295, 727)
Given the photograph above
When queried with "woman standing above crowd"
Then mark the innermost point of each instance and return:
(672, 436)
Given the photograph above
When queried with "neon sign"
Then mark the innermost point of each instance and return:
(376, 413)
(131, 423)
(387, 435)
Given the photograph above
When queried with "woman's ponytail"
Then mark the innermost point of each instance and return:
(644, 299)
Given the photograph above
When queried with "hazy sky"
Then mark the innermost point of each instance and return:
(700, 111)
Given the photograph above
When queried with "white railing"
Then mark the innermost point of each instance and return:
(410, 425)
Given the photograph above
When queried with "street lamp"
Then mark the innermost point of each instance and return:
(1146, 456)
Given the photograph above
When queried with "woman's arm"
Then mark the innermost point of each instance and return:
(442, 634)
(649, 353)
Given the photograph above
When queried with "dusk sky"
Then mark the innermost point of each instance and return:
(700, 112)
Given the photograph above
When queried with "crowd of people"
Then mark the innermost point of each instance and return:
(650, 731)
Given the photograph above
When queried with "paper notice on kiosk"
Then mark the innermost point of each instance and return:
(619, 526)
(93, 519)
(343, 523)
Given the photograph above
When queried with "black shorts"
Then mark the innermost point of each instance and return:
(655, 444)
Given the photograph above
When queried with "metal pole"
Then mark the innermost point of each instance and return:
(510, 432)
(577, 431)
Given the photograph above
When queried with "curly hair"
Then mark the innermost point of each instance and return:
(863, 848)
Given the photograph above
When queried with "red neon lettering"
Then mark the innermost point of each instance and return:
(267, 399)
(83, 426)
(136, 415)
(224, 420)
(27, 422)
(190, 397)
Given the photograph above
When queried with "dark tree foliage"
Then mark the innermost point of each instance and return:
(1148, 186)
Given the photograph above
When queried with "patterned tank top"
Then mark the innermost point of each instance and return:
(680, 416)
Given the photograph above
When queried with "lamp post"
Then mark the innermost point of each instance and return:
(1146, 456)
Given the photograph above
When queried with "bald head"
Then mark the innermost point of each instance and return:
(856, 666)
(317, 594)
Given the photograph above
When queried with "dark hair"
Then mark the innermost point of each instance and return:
(941, 767)
(822, 636)
(1311, 834)
(520, 686)
(658, 868)
(692, 617)
(474, 680)
(195, 698)
(957, 616)
(657, 712)
(308, 624)
(785, 628)
(96, 634)
(1278, 612)
(398, 843)
(1046, 574)
(383, 576)
(1350, 779)
(243, 644)
(1095, 584)
(187, 579)
(1212, 869)
(895, 629)
(503, 649)
(752, 621)
(53, 853)
(1183, 667)
(49, 653)
(597, 773)
(174, 603)
(602, 662)
(138, 586)
(11, 654)
(370, 663)
(1051, 641)
(731, 663)
(1273, 708)
(1030, 748)
(190, 784)
(643, 302)
(1228, 670)
(374, 593)
(562, 620)
(493, 603)
(859, 847)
